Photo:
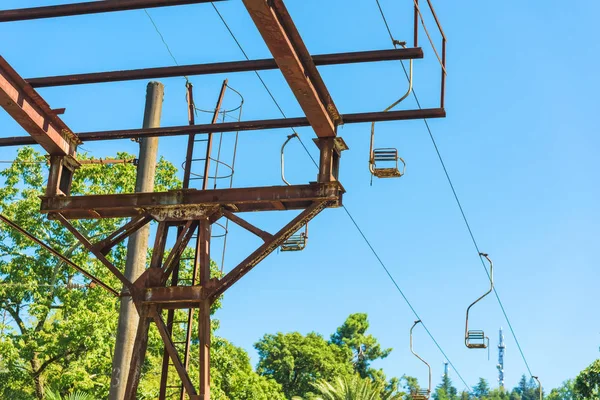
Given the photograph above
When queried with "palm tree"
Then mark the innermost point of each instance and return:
(349, 388)
(52, 395)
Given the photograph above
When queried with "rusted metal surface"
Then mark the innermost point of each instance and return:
(30, 111)
(286, 22)
(105, 245)
(187, 166)
(221, 68)
(57, 254)
(204, 317)
(238, 200)
(174, 296)
(355, 118)
(92, 7)
(247, 226)
(172, 351)
(86, 243)
(181, 243)
(418, 15)
(267, 248)
(215, 118)
(296, 65)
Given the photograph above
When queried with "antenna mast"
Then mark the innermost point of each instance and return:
(500, 365)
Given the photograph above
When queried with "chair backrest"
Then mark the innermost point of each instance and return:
(294, 243)
(385, 154)
(476, 335)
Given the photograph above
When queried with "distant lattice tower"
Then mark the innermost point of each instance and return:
(500, 366)
(446, 368)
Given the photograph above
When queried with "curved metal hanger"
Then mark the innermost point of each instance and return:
(540, 385)
(297, 241)
(373, 151)
(290, 137)
(481, 341)
(420, 394)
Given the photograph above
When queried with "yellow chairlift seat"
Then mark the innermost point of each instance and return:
(385, 164)
(476, 339)
(420, 394)
(296, 242)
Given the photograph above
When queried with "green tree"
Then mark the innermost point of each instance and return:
(351, 387)
(445, 390)
(57, 334)
(51, 395)
(526, 389)
(497, 394)
(235, 379)
(482, 389)
(410, 384)
(365, 348)
(564, 392)
(587, 383)
(296, 361)
(62, 339)
(464, 395)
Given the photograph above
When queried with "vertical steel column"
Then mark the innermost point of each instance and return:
(190, 147)
(209, 142)
(190, 317)
(326, 160)
(204, 317)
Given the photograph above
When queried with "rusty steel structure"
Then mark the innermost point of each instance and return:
(190, 213)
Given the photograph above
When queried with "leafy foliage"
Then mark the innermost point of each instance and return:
(57, 334)
(587, 383)
(296, 361)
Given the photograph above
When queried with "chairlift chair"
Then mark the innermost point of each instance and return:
(476, 339)
(419, 394)
(298, 241)
(385, 162)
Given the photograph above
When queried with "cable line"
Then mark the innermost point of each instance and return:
(344, 207)
(456, 198)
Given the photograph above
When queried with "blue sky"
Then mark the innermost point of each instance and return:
(518, 141)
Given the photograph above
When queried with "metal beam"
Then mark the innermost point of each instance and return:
(92, 7)
(187, 201)
(267, 248)
(30, 111)
(57, 254)
(221, 67)
(283, 40)
(239, 126)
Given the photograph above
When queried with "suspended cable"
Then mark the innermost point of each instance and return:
(239, 45)
(345, 208)
(456, 198)
(162, 38)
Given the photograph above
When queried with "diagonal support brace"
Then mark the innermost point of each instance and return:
(86, 243)
(267, 248)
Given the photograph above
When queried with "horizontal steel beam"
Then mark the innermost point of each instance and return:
(221, 67)
(268, 198)
(174, 296)
(92, 7)
(238, 126)
(30, 111)
(297, 67)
